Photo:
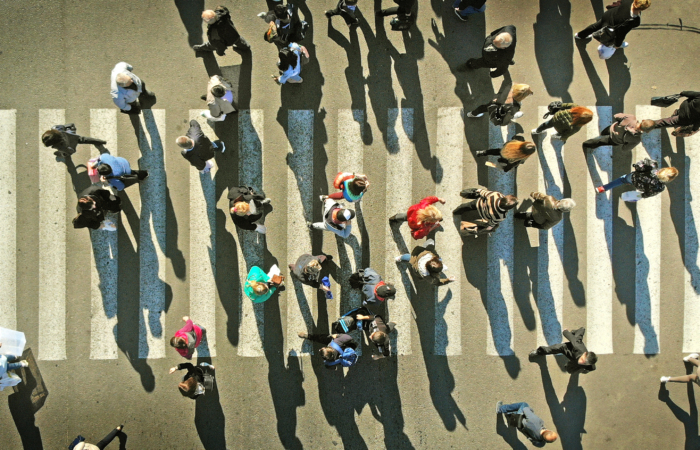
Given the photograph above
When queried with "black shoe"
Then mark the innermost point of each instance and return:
(512, 63)
(393, 219)
(533, 354)
(328, 14)
(204, 97)
(379, 13)
(463, 67)
(459, 16)
(150, 93)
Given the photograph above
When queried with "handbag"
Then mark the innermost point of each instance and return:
(666, 101)
(605, 52)
(605, 36)
(277, 280)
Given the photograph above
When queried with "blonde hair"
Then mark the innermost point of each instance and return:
(520, 92)
(516, 150)
(184, 142)
(667, 174)
(241, 208)
(429, 214)
(581, 115)
(208, 15)
(314, 263)
(647, 125)
(258, 287)
(641, 5)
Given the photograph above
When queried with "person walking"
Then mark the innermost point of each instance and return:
(422, 218)
(247, 208)
(80, 444)
(465, 8)
(198, 149)
(285, 25)
(374, 326)
(687, 115)
(93, 204)
(307, 270)
(373, 286)
(115, 170)
(289, 64)
(580, 359)
(522, 417)
(427, 264)
(512, 154)
(547, 211)
(187, 338)
(197, 381)
(503, 112)
(346, 9)
(335, 348)
(620, 18)
(352, 186)
(567, 121)
(64, 139)
(694, 377)
(259, 286)
(647, 179)
(336, 218)
(219, 99)
(404, 10)
(221, 33)
(625, 130)
(127, 88)
(497, 52)
(492, 206)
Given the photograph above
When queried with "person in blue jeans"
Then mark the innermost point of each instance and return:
(647, 178)
(522, 417)
(465, 8)
(10, 362)
(113, 169)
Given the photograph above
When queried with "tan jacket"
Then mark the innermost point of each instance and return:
(434, 278)
(218, 106)
(544, 210)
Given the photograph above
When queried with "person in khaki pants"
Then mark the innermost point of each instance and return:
(547, 211)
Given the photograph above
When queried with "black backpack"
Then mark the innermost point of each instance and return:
(553, 108)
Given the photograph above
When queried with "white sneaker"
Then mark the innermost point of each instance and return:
(398, 258)
(518, 115)
(223, 146)
(262, 229)
(556, 136)
(665, 379)
(262, 15)
(24, 363)
(469, 114)
(625, 44)
(692, 355)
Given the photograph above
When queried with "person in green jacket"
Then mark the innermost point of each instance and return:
(258, 286)
(567, 121)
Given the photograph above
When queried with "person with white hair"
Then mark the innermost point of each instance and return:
(221, 33)
(336, 218)
(496, 54)
(547, 211)
(127, 88)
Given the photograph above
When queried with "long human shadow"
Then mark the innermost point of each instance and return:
(23, 410)
(643, 298)
(209, 419)
(688, 419)
(619, 78)
(554, 48)
(190, 14)
(569, 415)
(353, 72)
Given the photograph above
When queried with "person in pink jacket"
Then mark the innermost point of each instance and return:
(187, 338)
(422, 217)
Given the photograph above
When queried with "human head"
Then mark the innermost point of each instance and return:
(641, 5)
(281, 12)
(358, 185)
(430, 214)
(328, 354)
(258, 287)
(387, 290)
(344, 215)
(104, 169)
(503, 40)
(184, 142)
(312, 269)
(667, 174)
(218, 91)
(51, 137)
(550, 436)
(208, 16)
(581, 115)
(287, 59)
(566, 204)
(178, 342)
(508, 202)
(379, 338)
(188, 387)
(434, 265)
(521, 91)
(240, 208)
(86, 203)
(124, 80)
(646, 125)
(590, 358)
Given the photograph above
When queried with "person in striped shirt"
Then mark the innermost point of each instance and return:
(492, 206)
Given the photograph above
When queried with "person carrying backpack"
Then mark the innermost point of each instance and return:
(339, 349)
(567, 120)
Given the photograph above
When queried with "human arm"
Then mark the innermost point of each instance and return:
(182, 366)
(690, 94)
(624, 28)
(189, 325)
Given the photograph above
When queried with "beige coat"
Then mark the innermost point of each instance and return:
(434, 278)
(544, 210)
(218, 106)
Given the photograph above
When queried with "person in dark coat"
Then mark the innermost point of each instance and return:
(404, 10)
(522, 417)
(93, 203)
(647, 179)
(346, 9)
(687, 115)
(287, 24)
(625, 130)
(221, 32)
(197, 381)
(580, 359)
(247, 208)
(198, 149)
(547, 211)
(623, 17)
(64, 140)
(308, 268)
(497, 53)
(329, 341)
(465, 8)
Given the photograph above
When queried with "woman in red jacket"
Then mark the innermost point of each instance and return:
(187, 338)
(422, 217)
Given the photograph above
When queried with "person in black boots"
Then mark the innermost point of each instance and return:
(346, 9)
(221, 33)
(497, 53)
(64, 140)
(197, 381)
(580, 359)
(93, 203)
(198, 149)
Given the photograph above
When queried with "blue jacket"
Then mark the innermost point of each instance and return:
(120, 166)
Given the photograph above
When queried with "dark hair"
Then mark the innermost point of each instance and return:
(104, 169)
(357, 186)
(328, 354)
(434, 265)
(591, 358)
(287, 59)
(280, 11)
(218, 91)
(178, 342)
(51, 137)
(188, 387)
(509, 202)
(85, 203)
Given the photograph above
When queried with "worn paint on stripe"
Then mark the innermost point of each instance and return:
(499, 289)
(599, 229)
(300, 179)
(251, 244)
(399, 166)
(203, 247)
(691, 312)
(8, 218)
(152, 234)
(448, 301)
(104, 273)
(52, 242)
(648, 249)
(550, 254)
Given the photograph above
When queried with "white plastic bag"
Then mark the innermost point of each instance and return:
(13, 342)
(274, 270)
(109, 225)
(631, 196)
(605, 52)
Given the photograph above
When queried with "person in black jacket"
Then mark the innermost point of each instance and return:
(465, 8)
(403, 10)
(647, 178)
(93, 203)
(198, 149)
(64, 140)
(497, 52)
(575, 350)
(623, 17)
(308, 268)
(346, 9)
(287, 23)
(197, 381)
(221, 32)
(247, 208)
(687, 115)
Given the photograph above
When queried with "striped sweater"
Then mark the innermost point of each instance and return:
(487, 205)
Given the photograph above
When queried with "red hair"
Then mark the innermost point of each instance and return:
(581, 116)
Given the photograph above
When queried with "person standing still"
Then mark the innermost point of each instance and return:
(522, 417)
(497, 52)
(127, 88)
(221, 32)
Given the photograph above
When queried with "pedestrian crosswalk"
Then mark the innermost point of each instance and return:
(302, 205)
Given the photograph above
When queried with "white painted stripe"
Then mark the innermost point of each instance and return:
(648, 249)
(251, 244)
(550, 254)
(399, 166)
(152, 234)
(104, 272)
(499, 289)
(203, 247)
(52, 242)
(350, 159)
(691, 313)
(448, 299)
(301, 305)
(599, 244)
(8, 218)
